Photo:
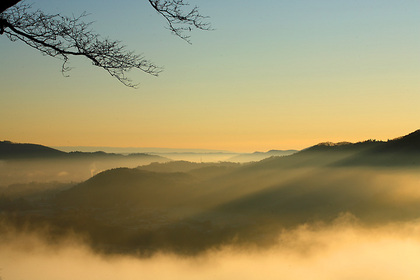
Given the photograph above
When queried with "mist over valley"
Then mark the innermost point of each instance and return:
(314, 204)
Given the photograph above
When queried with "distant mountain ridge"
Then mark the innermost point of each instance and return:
(21, 163)
(257, 156)
(409, 142)
(408, 145)
(10, 150)
(400, 151)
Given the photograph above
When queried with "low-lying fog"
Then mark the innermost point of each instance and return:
(308, 216)
(341, 250)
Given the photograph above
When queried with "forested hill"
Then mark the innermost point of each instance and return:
(408, 143)
(401, 151)
(10, 150)
(23, 163)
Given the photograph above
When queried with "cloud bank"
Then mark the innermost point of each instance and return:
(342, 250)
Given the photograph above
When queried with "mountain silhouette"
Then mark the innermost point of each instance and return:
(401, 151)
(10, 150)
(188, 208)
(405, 144)
(24, 163)
(125, 186)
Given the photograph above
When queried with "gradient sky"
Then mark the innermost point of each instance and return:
(272, 75)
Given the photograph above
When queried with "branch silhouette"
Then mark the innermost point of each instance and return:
(179, 20)
(62, 36)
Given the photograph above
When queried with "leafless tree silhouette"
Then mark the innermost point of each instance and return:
(63, 37)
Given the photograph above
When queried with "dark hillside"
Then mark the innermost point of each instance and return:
(124, 186)
(400, 152)
(10, 150)
(25, 163)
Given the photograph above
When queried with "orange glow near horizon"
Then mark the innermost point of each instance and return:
(312, 73)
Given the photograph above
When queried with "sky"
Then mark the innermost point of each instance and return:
(271, 74)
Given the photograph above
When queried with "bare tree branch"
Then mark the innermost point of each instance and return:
(62, 37)
(179, 18)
